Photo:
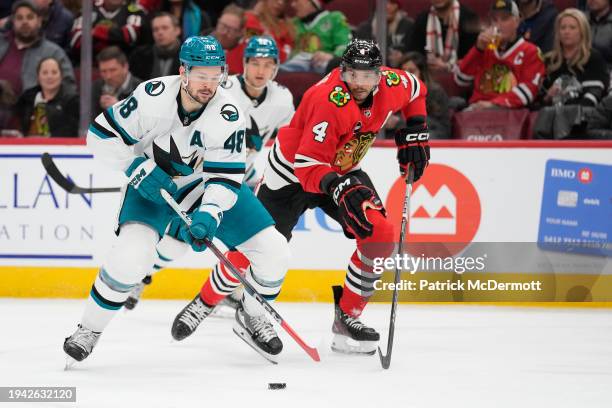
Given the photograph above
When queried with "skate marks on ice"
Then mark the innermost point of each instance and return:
(461, 355)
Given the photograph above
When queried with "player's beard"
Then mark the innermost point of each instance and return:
(202, 96)
(360, 93)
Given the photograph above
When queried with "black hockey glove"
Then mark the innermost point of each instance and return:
(413, 146)
(352, 198)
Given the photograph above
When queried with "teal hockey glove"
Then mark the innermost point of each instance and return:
(204, 224)
(147, 178)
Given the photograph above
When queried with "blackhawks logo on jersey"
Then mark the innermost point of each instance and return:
(338, 97)
(393, 79)
(354, 150)
(498, 79)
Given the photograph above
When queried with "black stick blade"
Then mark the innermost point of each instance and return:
(55, 174)
(66, 183)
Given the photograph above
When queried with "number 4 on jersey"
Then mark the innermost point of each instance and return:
(319, 131)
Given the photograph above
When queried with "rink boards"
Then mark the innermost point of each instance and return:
(51, 243)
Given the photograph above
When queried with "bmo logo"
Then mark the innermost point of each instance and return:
(563, 173)
(444, 209)
(584, 175)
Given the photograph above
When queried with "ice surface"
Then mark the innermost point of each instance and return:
(444, 356)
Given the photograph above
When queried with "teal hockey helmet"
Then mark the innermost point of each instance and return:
(199, 51)
(262, 47)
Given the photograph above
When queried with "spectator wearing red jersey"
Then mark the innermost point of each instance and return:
(114, 22)
(505, 69)
(268, 18)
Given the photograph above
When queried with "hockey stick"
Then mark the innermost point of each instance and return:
(66, 183)
(385, 360)
(311, 351)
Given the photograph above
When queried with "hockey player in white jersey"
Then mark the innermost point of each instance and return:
(183, 134)
(267, 106)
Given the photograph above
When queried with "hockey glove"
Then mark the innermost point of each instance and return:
(147, 178)
(204, 224)
(353, 198)
(413, 146)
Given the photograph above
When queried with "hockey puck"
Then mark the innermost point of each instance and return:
(277, 386)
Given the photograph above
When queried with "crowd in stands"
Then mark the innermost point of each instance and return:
(542, 66)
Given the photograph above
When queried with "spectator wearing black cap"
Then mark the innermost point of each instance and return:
(538, 22)
(505, 69)
(23, 47)
(444, 33)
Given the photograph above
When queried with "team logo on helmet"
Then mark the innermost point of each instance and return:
(229, 112)
(338, 97)
(392, 78)
(155, 88)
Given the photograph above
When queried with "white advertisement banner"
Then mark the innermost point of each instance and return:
(468, 194)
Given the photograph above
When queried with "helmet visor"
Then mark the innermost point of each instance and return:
(365, 77)
(206, 74)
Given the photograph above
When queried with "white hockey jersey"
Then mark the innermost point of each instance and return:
(204, 152)
(264, 115)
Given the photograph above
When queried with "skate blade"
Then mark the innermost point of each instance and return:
(70, 362)
(346, 345)
(241, 332)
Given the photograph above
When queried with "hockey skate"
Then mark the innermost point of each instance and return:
(351, 336)
(79, 345)
(190, 318)
(258, 333)
(227, 307)
(135, 294)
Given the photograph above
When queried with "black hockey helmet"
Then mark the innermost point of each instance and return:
(362, 54)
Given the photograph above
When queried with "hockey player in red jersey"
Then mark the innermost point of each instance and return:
(315, 163)
(505, 69)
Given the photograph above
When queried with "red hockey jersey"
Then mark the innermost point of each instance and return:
(511, 79)
(122, 27)
(331, 133)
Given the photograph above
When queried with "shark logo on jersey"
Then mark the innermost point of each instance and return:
(172, 162)
(253, 137)
(229, 112)
(155, 88)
